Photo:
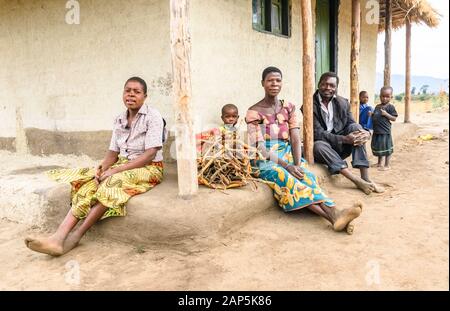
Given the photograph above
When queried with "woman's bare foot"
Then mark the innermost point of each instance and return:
(350, 228)
(71, 242)
(51, 245)
(344, 217)
(365, 186)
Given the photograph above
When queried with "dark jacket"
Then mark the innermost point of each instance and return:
(342, 118)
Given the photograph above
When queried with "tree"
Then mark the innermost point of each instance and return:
(413, 90)
(424, 88)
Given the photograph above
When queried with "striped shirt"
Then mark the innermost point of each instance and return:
(145, 132)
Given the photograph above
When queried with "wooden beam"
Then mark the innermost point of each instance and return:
(184, 130)
(308, 79)
(408, 72)
(388, 44)
(354, 62)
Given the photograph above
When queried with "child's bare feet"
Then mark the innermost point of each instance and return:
(344, 217)
(51, 245)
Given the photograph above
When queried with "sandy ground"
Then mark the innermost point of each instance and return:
(401, 241)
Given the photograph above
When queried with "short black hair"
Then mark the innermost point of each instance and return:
(229, 107)
(270, 70)
(385, 88)
(139, 80)
(363, 92)
(329, 74)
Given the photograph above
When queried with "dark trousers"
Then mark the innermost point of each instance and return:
(334, 155)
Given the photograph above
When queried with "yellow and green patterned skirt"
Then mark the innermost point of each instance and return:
(114, 192)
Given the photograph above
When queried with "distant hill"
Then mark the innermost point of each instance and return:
(398, 83)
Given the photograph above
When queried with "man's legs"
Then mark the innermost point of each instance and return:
(325, 153)
(360, 159)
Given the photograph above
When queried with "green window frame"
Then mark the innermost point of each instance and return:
(272, 16)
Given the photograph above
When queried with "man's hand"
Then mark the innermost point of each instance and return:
(350, 138)
(295, 171)
(361, 137)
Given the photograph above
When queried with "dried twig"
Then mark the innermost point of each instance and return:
(225, 163)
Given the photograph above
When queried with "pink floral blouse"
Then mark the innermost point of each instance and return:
(263, 127)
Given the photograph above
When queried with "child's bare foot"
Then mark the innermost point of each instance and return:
(344, 217)
(365, 186)
(50, 245)
(71, 242)
(385, 168)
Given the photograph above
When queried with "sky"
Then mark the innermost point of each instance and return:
(429, 47)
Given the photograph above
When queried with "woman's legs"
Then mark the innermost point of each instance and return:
(63, 240)
(317, 209)
(340, 219)
(94, 215)
(54, 244)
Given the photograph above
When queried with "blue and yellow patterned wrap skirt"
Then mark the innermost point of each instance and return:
(291, 193)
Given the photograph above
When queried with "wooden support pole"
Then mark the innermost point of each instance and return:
(408, 72)
(308, 79)
(354, 63)
(184, 130)
(388, 43)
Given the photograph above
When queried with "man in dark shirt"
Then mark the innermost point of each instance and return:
(337, 135)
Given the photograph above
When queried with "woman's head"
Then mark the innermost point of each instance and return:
(272, 81)
(134, 93)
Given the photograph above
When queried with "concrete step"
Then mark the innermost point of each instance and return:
(156, 217)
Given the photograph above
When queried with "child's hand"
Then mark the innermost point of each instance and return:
(383, 112)
(370, 113)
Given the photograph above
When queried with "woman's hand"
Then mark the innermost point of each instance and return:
(98, 173)
(295, 171)
(108, 173)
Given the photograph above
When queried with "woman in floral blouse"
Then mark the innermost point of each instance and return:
(273, 128)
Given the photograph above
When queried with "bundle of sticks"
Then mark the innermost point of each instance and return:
(225, 163)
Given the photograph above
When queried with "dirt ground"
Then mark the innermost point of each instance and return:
(401, 241)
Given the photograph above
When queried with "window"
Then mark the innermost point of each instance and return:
(271, 16)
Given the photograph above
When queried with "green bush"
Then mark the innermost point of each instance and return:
(399, 97)
(424, 97)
